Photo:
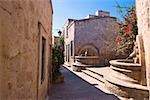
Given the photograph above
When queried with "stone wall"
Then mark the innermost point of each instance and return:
(143, 15)
(99, 33)
(23, 23)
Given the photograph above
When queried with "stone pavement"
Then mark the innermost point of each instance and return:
(75, 88)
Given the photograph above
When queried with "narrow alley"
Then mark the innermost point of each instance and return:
(75, 88)
(74, 49)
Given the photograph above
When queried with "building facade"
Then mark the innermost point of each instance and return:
(143, 16)
(93, 37)
(25, 49)
(55, 39)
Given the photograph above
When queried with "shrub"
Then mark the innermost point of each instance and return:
(57, 59)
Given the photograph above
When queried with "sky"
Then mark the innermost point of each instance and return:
(79, 9)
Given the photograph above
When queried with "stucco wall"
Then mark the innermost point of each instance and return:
(68, 38)
(143, 15)
(22, 25)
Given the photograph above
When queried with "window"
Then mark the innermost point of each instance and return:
(66, 30)
(71, 47)
(148, 19)
(43, 59)
(66, 53)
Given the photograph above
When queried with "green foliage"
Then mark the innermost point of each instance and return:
(57, 58)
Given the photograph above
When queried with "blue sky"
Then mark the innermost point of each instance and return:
(79, 9)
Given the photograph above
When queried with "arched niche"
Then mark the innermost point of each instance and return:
(88, 50)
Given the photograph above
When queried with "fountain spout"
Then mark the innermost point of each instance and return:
(135, 54)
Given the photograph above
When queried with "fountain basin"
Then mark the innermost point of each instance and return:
(88, 60)
(125, 64)
(125, 70)
(126, 90)
(124, 80)
(81, 62)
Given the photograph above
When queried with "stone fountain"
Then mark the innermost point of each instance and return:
(85, 60)
(127, 77)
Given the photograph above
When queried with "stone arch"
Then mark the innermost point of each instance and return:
(90, 48)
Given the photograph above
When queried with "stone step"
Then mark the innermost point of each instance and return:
(94, 75)
(99, 85)
(101, 71)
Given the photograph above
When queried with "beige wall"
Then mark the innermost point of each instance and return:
(69, 28)
(22, 25)
(143, 15)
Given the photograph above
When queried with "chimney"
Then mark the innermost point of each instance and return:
(101, 13)
(90, 16)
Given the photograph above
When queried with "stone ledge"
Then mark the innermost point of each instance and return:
(126, 90)
(124, 62)
(125, 84)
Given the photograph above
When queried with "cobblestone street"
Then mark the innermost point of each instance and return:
(75, 88)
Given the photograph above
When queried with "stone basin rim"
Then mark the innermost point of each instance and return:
(121, 62)
(122, 83)
(86, 57)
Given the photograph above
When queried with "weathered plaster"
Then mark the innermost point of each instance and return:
(20, 48)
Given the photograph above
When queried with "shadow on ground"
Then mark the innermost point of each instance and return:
(74, 88)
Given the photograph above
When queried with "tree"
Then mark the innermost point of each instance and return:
(128, 31)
